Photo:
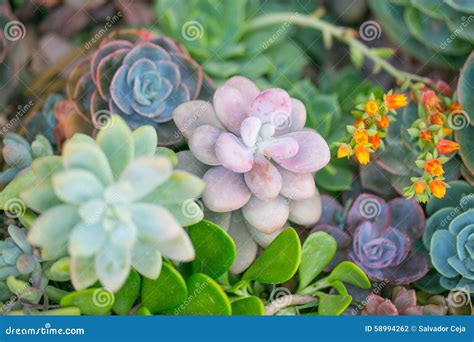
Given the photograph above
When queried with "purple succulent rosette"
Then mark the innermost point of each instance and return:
(377, 236)
(139, 75)
(256, 159)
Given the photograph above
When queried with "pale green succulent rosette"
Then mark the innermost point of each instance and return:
(111, 204)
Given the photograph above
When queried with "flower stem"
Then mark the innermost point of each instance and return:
(343, 34)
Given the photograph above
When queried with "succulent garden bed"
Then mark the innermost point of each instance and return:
(213, 157)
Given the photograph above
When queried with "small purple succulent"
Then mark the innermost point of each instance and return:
(255, 155)
(377, 236)
(139, 75)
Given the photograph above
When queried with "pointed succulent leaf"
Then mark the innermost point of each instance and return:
(146, 259)
(40, 197)
(83, 272)
(86, 239)
(77, 186)
(144, 141)
(112, 265)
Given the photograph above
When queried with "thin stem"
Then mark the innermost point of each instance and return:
(289, 300)
(343, 34)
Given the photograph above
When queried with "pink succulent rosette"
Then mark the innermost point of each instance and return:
(256, 158)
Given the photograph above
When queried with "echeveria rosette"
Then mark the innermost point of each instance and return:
(378, 236)
(18, 154)
(403, 302)
(108, 203)
(256, 159)
(450, 241)
(139, 75)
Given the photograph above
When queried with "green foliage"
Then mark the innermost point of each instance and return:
(93, 301)
(318, 250)
(127, 295)
(165, 293)
(205, 297)
(279, 261)
(248, 306)
(215, 249)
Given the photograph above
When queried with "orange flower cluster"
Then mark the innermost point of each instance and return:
(370, 127)
(431, 130)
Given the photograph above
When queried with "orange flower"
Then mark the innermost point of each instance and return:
(434, 167)
(436, 119)
(362, 154)
(371, 108)
(438, 188)
(395, 101)
(361, 136)
(383, 122)
(455, 107)
(343, 151)
(431, 101)
(445, 146)
(375, 141)
(419, 186)
(359, 123)
(446, 131)
(425, 135)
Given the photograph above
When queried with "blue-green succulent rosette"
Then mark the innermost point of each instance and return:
(139, 75)
(450, 239)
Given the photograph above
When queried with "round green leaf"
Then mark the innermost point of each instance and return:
(165, 293)
(95, 302)
(350, 273)
(248, 306)
(279, 262)
(205, 297)
(332, 305)
(128, 294)
(318, 250)
(215, 249)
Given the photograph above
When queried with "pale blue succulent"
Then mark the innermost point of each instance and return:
(111, 204)
(18, 154)
(44, 121)
(450, 239)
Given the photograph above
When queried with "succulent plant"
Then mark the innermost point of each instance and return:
(112, 203)
(404, 302)
(378, 236)
(212, 31)
(17, 256)
(394, 166)
(18, 154)
(260, 156)
(433, 31)
(449, 237)
(44, 121)
(139, 75)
